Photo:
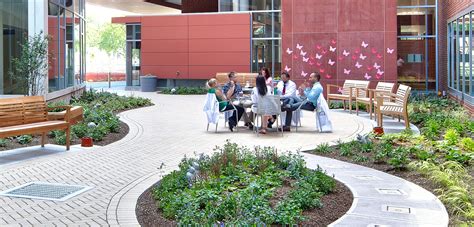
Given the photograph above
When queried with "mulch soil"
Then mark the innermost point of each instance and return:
(335, 205)
(411, 176)
(108, 139)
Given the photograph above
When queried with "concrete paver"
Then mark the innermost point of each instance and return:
(119, 172)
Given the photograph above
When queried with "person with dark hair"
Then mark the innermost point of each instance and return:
(225, 104)
(231, 88)
(311, 90)
(286, 87)
(267, 75)
(260, 90)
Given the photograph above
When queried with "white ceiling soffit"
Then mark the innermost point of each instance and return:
(136, 6)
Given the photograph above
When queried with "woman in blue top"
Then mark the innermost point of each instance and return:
(224, 104)
(312, 95)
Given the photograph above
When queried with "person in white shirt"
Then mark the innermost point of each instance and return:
(286, 87)
(260, 90)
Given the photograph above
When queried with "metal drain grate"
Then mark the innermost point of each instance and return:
(48, 191)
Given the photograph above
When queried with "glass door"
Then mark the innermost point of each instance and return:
(133, 63)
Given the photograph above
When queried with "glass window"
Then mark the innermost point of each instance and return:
(262, 25)
(416, 21)
(471, 82)
(416, 2)
(13, 29)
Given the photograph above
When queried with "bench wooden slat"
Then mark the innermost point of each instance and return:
(29, 115)
(242, 78)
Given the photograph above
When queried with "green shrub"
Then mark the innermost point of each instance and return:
(451, 136)
(59, 137)
(24, 139)
(234, 186)
(467, 144)
(399, 157)
(323, 148)
(4, 142)
(185, 91)
(80, 130)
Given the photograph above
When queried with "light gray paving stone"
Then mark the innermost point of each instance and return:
(121, 171)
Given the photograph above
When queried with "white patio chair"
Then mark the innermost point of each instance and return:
(211, 107)
(267, 105)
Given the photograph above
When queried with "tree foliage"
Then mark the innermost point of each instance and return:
(111, 39)
(31, 68)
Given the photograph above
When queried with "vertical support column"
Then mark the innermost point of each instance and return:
(38, 22)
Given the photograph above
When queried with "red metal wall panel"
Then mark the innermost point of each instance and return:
(326, 29)
(196, 46)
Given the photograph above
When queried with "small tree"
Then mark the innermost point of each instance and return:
(30, 70)
(111, 39)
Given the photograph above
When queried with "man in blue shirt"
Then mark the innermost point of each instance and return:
(231, 88)
(312, 94)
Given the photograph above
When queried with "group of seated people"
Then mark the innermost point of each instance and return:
(304, 97)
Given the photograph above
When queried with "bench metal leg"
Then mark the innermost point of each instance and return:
(207, 130)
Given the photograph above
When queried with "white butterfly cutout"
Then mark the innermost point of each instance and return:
(346, 53)
(287, 69)
(303, 53)
(331, 62)
(303, 74)
(347, 72)
(332, 49)
(305, 59)
(390, 51)
(377, 66)
(361, 56)
(288, 51)
(319, 56)
(364, 44)
(367, 76)
(380, 72)
(298, 46)
(358, 65)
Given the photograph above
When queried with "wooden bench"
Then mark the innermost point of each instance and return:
(29, 115)
(242, 78)
(397, 106)
(369, 101)
(348, 92)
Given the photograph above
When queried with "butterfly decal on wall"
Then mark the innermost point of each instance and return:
(302, 53)
(364, 44)
(332, 49)
(358, 65)
(380, 72)
(345, 53)
(319, 63)
(340, 90)
(319, 56)
(333, 41)
(361, 56)
(374, 51)
(390, 51)
(379, 56)
(304, 74)
(305, 59)
(377, 66)
(328, 76)
(331, 62)
(367, 76)
(318, 47)
(298, 46)
(347, 71)
(288, 51)
(287, 69)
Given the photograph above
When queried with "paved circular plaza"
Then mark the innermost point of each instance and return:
(176, 126)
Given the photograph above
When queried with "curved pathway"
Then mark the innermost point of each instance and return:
(164, 133)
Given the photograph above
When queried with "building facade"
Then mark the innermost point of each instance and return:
(63, 21)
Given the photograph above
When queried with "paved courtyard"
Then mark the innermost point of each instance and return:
(164, 133)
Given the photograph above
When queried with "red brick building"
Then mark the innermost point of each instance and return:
(404, 41)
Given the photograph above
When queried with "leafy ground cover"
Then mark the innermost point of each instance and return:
(185, 91)
(441, 159)
(243, 187)
(100, 108)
